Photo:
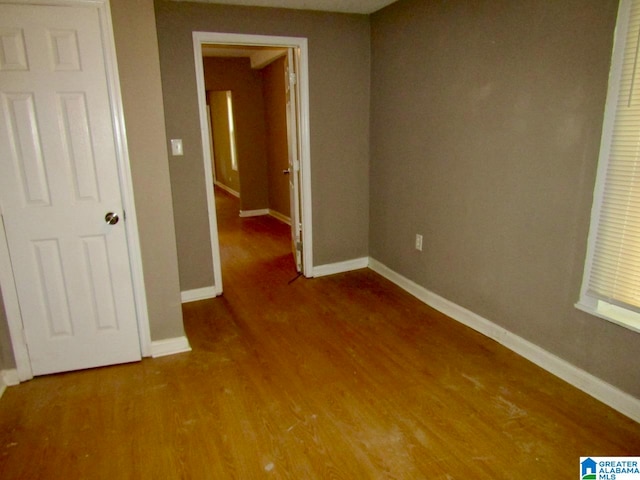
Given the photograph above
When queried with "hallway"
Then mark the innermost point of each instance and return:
(344, 377)
(251, 248)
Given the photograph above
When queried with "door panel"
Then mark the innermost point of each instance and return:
(293, 123)
(27, 153)
(53, 292)
(77, 145)
(58, 178)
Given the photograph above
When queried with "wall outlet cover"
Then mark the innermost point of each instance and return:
(176, 147)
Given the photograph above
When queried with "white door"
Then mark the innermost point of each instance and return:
(293, 122)
(60, 190)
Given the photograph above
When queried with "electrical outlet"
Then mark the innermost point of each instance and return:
(418, 242)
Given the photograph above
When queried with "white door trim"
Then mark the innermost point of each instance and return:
(126, 180)
(200, 38)
(7, 282)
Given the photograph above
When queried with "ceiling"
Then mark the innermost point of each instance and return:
(344, 6)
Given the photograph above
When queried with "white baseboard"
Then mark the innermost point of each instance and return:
(8, 378)
(279, 216)
(227, 189)
(198, 294)
(340, 267)
(254, 213)
(597, 388)
(170, 346)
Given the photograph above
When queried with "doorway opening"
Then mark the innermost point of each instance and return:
(291, 52)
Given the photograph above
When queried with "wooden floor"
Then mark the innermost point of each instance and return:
(341, 377)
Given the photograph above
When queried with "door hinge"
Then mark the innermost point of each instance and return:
(299, 246)
(293, 78)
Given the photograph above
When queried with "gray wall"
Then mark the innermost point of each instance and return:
(139, 69)
(6, 350)
(339, 65)
(486, 123)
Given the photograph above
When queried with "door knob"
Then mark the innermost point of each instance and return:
(286, 172)
(111, 218)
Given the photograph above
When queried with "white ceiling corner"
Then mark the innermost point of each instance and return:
(342, 6)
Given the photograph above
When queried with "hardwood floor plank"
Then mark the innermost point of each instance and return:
(340, 377)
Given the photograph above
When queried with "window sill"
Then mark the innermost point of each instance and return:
(618, 315)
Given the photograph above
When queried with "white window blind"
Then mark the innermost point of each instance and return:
(612, 270)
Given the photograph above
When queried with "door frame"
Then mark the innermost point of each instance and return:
(300, 44)
(7, 281)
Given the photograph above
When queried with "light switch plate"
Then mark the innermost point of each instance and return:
(176, 147)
